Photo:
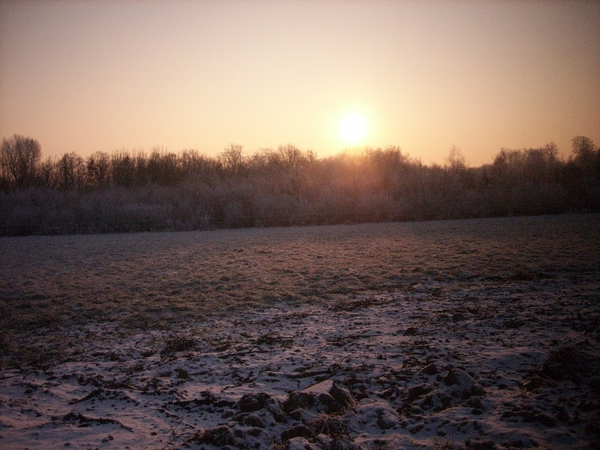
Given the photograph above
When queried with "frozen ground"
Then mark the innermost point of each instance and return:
(480, 334)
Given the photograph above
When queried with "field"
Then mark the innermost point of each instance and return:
(475, 334)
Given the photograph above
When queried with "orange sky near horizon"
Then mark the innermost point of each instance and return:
(84, 76)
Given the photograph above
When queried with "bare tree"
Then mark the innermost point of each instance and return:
(98, 169)
(122, 168)
(232, 160)
(584, 152)
(290, 157)
(19, 158)
(71, 171)
(47, 173)
(165, 167)
(582, 146)
(455, 160)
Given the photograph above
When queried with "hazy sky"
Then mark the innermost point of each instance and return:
(85, 76)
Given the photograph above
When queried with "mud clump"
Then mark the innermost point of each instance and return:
(296, 431)
(253, 402)
(326, 397)
(417, 392)
(221, 435)
(298, 400)
(571, 361)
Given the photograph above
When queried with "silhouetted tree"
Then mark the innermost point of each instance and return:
(164, 168)
(98, 169)
(70, 171)
(551, 151)
(122, 168)
(136, 191)
(140, 173)
(19, 157)
(290, 157)
(586, 156)
(47, 177)
(456, 161)
(535, 166)
(232, 160)
(583, 148)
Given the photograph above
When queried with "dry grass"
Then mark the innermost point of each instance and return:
(470, 334)
(156, 280)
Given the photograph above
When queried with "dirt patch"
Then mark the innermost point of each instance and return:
(402, 358)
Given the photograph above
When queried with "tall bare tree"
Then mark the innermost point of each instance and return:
(584, 152)
(98, 169)
(71, 171)
(232, 159)
(19, 158)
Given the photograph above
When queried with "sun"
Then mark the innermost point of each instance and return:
(353, 128)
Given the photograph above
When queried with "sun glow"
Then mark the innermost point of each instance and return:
(353, 128)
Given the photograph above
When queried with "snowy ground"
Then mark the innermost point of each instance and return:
(480, 334)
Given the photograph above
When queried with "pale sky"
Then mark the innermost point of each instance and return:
(88, 76)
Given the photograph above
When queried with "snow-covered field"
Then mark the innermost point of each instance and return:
(478, 333)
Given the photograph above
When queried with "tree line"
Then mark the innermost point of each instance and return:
(137, 191)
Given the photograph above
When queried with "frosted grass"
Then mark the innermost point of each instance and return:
(456, 333)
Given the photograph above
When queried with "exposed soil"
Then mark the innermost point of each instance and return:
(463, 334)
